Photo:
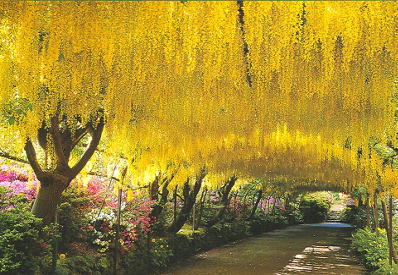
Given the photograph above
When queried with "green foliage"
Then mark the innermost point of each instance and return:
(386, 269)
(336, 196)
(294, 217)
(373, 250)
(354, 215)
(22, 251)
(160, 253)
(87, 264)
(314, 207)
(135, 262)
(71, 217)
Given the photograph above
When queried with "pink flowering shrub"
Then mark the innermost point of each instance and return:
(14, 190)
(238, 208)
(135, 223)
(89, 215)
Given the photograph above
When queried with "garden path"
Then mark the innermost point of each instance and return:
(302, 249)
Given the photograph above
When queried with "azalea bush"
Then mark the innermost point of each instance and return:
(76, 203)
(238, 209)
(134, 225)
(15, 189)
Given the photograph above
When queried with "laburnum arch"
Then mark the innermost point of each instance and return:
(247, 89)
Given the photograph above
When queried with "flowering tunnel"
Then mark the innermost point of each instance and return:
(133, 118)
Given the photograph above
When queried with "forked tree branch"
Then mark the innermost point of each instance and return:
(57, 141)
(96, 137)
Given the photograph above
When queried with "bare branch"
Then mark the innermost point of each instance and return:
(4, 154)
(57, 141)
(31, 154)
(79, 134)
(102, 176)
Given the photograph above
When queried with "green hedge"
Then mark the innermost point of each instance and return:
(314, 207)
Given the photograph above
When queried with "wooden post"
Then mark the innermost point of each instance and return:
(119, 206)
(390, 245)
(55, 250)
(174, 219)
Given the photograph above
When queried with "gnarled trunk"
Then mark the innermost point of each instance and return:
(159, 206)
(224, 201)
(190, 198)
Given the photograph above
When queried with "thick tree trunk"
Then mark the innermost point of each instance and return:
(387, 221)
(47, 199)
(190, 198)
(224, 201)
(255, 206)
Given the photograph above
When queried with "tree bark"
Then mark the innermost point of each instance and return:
(224, 201)
(47, 200)
(190, 197)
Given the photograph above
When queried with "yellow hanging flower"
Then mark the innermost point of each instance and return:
(62, 256)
